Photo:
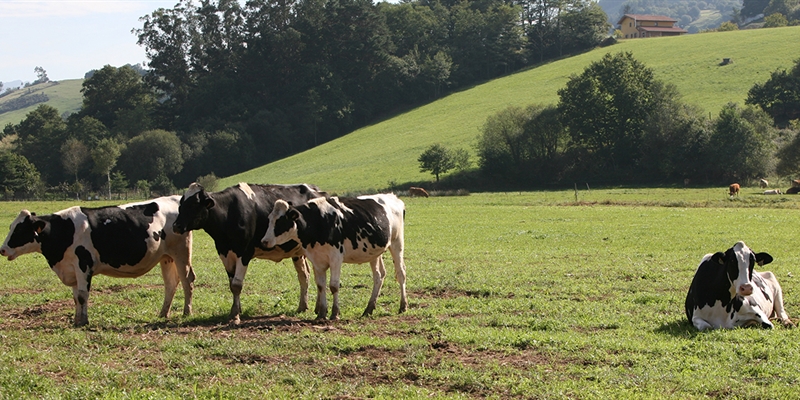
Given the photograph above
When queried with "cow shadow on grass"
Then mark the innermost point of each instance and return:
(679, 328)
(278, 322)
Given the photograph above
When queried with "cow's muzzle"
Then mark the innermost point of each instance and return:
(745, 289)
(178, 229)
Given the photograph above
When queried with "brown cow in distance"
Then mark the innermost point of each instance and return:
(734, 189)
(417, 191)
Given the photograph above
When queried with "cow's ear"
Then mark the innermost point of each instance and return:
(38, 226)
(293, 214)
(763, 259)
(209, 203)
(718, 257)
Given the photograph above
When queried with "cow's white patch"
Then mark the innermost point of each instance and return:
(106, 222)
(244, 187)
(194, 188)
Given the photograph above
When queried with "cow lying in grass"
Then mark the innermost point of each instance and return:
(727, 292)
(333, 231)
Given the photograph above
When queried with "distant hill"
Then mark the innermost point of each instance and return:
(387, 151)
(64, 95)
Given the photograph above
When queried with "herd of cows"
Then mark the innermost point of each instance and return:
(276, 222)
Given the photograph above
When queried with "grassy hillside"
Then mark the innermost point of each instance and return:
(385, 152)
(64, 96)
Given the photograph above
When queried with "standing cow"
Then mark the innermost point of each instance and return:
(120, 241)
(237, 218)
(733, 189)
(727, 292)
(333, 231)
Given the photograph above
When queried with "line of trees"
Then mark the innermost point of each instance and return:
(233, 85)
(616, 123)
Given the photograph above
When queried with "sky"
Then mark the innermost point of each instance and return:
(70, 37)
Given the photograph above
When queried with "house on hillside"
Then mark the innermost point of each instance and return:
(645, 26)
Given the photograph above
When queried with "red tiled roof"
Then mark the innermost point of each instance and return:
(662, 29)
(644, 17)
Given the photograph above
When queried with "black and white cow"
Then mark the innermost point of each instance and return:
(237, 218)
(123, 241)
(727, 292)
(333, 231)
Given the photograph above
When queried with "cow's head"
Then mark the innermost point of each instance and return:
(283, 224)
(739, 262)
(193, 209)
(750, 314)
(23, 236)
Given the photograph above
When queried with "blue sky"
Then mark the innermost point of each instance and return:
(69, 37)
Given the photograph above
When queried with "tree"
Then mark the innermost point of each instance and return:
(118, 182)
(437, 160)
(105, 156)
(606, 107)
(112, 92)
(17, 175)
(522, 142)
(776, 20)
(40, 136)
(741, 145)
(41, 75)
(728, 26)
(151, 155)
(74, 154)
(779, 96)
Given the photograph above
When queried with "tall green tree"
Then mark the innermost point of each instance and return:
(112, 91)
(74, 154)
(606, 108)
(105, 155)
(437, 160)
(17, 174)
(40, 136)
(779, 96)
(151, 155)
(741, 146)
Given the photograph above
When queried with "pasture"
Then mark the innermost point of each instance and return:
(511, 295)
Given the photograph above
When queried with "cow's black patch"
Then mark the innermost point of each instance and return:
(120, 235)
(85, 261)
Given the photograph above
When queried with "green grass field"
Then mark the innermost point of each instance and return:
(512, 295)
(386, 152)
(66, 97)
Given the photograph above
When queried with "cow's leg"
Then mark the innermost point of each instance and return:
(303, 273)
(320, 272)
(777, 302)
(169, 273)
(400, 270)
(231, 262)
(701, 324)
(183, 266)
(378, 274)
(80, 294)
(336, 273)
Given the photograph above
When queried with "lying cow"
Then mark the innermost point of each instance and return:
(793, 190)
(734, 189)
(726, 292)
(120, 241)
(772, 191)
(237, 218)
(333, 231)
